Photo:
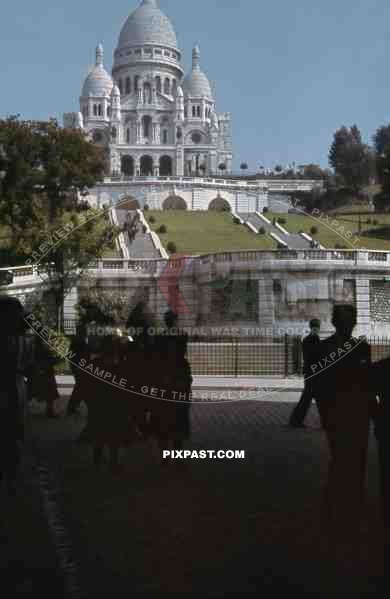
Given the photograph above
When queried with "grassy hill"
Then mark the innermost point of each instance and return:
(375, 228)
(206, 232)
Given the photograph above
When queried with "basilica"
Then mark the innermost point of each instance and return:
(151, 118)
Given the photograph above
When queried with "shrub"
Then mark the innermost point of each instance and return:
(146, 208)
(171, 247)
(262, 231)
(314, 230)
(282, 220)
(265, 209)
(162, 229)
(236, 221)
(368, 221)
(152, 219)
(375, 222)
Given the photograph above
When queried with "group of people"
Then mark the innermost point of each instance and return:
(351, 392)
(149, 388)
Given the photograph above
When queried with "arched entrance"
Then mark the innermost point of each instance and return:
(128, 203)
(220, 205)
(128, 166)
(146, 166)
(166, 166)
(174, 203)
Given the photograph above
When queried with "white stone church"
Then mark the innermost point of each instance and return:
(153, 120)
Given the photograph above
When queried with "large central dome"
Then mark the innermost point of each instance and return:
(147, 25)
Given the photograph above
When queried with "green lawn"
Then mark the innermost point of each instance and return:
(206, 232)
(373, 236)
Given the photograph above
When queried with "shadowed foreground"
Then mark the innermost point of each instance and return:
(205, 527)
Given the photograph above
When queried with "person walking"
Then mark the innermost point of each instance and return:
(309, 346)
(346, 404)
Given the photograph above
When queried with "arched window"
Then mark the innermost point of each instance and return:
(128, 135)
(128, 85)
(120, 85)
(128, 166)
(165, 166)
(146, 166)
(165, 137)
(95, 111)
(198, 111)
(158, 84)
(146, 126)
(136, 83)
(108, 111)
(193, 111)
(185, 112)
(174, 87)
(100, 112)
(167, 87)
(114, 134)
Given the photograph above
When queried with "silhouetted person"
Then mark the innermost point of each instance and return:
(309, 346)
(12, 387)
(79, 347)
(380, 382)
(346, 403)
(44, 384)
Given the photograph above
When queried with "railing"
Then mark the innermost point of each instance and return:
(284, 185)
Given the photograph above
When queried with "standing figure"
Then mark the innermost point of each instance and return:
(44, 384)
(309, 347)
(346, 403)
(12, 388)
(78, 347)
(171, 411)
(380, 383)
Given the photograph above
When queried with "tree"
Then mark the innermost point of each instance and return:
(171, 247)
(278, 168)
(222, 167)
(105, 308)
(47, 172)
(312, 171)
(382, 159)
(351, 159)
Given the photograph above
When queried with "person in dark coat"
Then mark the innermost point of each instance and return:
(44, 384)
(78, 347)
(346, 403)
(110, 424)
(380, 383)
(12, 387)
(171, 413)
(309, 346)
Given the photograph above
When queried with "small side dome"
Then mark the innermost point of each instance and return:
(98, 83)
(179, 92)
(196, 84)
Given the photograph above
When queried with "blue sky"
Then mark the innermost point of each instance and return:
(290, 72)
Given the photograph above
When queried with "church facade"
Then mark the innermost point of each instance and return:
(150, 118)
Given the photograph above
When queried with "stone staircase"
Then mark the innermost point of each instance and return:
(293, 241)
(142, 246)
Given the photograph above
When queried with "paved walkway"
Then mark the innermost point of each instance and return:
(204, 527)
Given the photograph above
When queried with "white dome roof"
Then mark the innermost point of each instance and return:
(147, 25)
(196, 84)
(98, 82)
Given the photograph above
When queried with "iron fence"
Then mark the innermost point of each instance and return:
(256, 356)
